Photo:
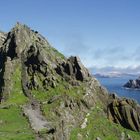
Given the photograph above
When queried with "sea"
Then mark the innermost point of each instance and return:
(115, 84)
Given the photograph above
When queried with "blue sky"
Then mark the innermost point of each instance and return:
(102, 32)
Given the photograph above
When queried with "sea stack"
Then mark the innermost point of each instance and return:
(133, 84)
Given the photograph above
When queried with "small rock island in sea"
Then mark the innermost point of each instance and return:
(133, 84)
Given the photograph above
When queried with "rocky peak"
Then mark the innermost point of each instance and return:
(18, 39)
(22, 38)
(42, 64)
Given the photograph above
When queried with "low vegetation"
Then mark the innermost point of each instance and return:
(13, 125)
(99, 126)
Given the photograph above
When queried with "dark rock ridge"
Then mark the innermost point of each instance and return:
(133, 84)
(74, 68)
(60, 91)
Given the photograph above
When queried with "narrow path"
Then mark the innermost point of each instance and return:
(37, 120)
(32, 110)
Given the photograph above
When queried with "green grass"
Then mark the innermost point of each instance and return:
(17, 96)
(99, 126)
(13, 126)
(48, 110)
(58, 53)
(61, 89)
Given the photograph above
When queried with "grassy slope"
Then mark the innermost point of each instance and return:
(61, 89)
(99, 126)
(13, 125)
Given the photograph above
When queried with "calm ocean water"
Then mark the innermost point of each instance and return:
(116, 85)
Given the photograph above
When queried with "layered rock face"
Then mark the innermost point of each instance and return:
(125, 112)
(134, 84)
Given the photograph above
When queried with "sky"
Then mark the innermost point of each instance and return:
(103, 33)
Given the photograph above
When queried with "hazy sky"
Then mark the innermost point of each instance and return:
(101, 32)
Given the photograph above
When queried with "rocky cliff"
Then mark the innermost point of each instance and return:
(46, 96)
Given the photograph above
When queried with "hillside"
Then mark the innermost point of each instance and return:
(46, 96)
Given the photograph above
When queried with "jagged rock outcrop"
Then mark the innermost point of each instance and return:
(125, 112)
(73, 68)
(133, 84)
(45, 70)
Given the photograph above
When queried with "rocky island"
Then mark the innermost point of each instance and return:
(46, 96)
(133, 84)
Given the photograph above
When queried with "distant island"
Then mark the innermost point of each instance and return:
(133, 84)
(113, 74)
